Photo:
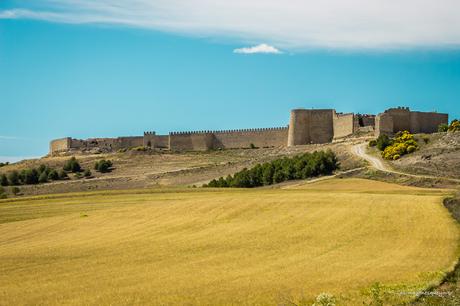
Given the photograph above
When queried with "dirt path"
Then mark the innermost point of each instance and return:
(379, 164)
(360, 150)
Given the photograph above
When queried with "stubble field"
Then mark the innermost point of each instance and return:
(205, 246)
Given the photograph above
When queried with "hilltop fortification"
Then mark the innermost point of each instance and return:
(398, 119)
(306, 126)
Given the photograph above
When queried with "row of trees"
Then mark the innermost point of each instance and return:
(298, 167)
(44, 173)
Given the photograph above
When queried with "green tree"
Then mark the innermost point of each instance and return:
(53, 175)
(4, 180)
(298, 167)
(43, 178)
(383, 141)
(13, 178)
(42, 168)
(267, 174)
(72, 165)
(30, 176)
(103, 166)
(278, 176)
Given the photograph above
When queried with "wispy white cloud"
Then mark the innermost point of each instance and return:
(294, 24)
(262, 48)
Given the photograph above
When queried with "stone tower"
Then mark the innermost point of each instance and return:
(310, 126)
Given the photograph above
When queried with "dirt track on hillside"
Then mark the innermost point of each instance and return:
(360, 150)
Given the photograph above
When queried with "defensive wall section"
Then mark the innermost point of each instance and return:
(398, 119)
(107, 144)
(231, 139)
(344, 124)
(306, 126)
(310, 126)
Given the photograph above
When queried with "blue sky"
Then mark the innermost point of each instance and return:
(73, 74)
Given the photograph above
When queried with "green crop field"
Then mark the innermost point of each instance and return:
(205, 246)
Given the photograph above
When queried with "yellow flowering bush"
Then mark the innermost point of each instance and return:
(403, 143)
(454, 126)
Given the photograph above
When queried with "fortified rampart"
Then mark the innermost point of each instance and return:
(398, 119)
(306, 126)
(230, 139)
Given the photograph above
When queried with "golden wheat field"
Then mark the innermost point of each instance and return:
(204, 246)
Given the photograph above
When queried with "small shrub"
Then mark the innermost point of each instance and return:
(15, 190)
(87, 173)
(4, 164)
(72, 165)
(43, 178)
(383, 141)
(454, 126)
(373, 143)
(139, 149)
(43, 168)
(4, 180)
(403, 143)
(252, 146)
(325, 299)
(443, 128)
(411, 149)
(30, 176)
(53, 175)
(103, 166)
(13, 178)
(63, 175)
(78, 175)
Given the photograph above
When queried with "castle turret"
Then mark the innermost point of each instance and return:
(149, 139)
(310, 126)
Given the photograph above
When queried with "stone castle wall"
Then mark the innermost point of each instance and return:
(344, 124)
(427, 122)
(398, 119)
(60, 145)
(231, 139)
(305, 127)
(191, 141)
(384, 124)
(310, 126)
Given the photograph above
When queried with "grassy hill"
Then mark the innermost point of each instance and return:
(205, 246)
(134, 169)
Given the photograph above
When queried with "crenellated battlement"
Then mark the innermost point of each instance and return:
(251, 130)
(306, 126)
